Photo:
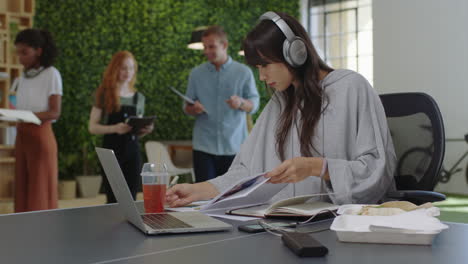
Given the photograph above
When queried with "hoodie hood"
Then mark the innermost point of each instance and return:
(335, 76)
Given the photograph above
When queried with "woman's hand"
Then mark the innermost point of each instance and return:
(145, 130)
(183, 194)
(295, 170)
(121, 128)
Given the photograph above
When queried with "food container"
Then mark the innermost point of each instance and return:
(417, 227)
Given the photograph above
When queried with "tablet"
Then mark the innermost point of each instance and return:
(138, 123)
(181, 95)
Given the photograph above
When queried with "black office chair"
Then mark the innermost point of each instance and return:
(418, 135)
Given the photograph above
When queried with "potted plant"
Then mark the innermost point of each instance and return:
(89, 182)
(67, 183)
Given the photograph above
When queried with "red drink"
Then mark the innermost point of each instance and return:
(154, 196)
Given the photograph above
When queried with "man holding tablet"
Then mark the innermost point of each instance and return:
(223, 90)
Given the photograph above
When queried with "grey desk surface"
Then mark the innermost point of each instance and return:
(101, 235)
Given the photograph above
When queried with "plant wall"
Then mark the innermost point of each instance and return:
(88, 32)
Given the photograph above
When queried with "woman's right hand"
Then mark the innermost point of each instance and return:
(121, 128)
(184, 194)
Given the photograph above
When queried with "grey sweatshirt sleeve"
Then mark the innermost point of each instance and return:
(365, 172)
(257, 153)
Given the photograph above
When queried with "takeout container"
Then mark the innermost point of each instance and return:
(348, 230)
(412, 228)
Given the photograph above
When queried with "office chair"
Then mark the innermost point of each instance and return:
(157, 152)
(417, 131)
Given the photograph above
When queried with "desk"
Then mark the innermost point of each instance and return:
(100, 234)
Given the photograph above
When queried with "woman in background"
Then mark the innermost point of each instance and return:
(116, 99)
(40, 91)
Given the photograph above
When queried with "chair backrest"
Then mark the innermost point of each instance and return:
(157, 152)
(418, 135)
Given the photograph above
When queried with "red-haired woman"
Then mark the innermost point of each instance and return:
(116, 99)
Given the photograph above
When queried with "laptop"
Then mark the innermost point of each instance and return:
(153, 224)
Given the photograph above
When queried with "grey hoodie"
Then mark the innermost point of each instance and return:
(352, 135)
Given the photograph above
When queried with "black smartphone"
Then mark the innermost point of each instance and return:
(256, 228)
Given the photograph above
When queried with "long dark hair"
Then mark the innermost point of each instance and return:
(39, 38)
(264, 45)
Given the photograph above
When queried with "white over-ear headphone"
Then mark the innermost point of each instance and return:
(31, 73)
(294, 48)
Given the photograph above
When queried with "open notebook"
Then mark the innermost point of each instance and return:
(251, 196)
(14, 115)
(300, 206)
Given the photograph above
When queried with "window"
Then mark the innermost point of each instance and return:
(341, 31)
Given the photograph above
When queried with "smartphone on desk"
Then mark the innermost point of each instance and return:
(256, 228)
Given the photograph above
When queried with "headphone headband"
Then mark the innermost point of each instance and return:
(31, 73)
(294, 48)
(282, 25)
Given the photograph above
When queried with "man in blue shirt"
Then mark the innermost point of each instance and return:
(224, 91)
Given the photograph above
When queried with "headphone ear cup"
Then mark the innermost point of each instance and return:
(30, 73)
(298, 52)
(286, 55)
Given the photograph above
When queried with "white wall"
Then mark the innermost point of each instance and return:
(422, 45)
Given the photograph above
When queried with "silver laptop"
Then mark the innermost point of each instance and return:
(162, 223)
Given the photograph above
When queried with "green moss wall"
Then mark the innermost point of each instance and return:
(88, 32)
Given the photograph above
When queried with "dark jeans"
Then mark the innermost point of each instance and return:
(208, 166)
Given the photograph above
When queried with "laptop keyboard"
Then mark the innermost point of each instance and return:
(163, 221)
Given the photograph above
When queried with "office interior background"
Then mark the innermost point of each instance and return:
(398, 45)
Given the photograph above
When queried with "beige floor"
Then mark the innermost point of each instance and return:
(6, 206)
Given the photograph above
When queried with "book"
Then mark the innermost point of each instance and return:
(183, 96)
(249, 191)
(13, 115)
(299, 206)
(138, 123)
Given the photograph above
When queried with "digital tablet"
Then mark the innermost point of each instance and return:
(185, 98)
(181, 95)
(138, 123)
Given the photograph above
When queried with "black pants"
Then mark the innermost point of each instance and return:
(130, 163)
(208, 166)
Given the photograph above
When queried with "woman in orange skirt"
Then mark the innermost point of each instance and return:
(39, 90)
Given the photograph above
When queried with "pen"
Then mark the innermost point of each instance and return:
(174, 181)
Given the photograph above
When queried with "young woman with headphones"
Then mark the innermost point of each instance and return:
(116, 99)
(324, 130)
(39, 89)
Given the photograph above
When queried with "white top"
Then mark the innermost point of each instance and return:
(33, 93)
